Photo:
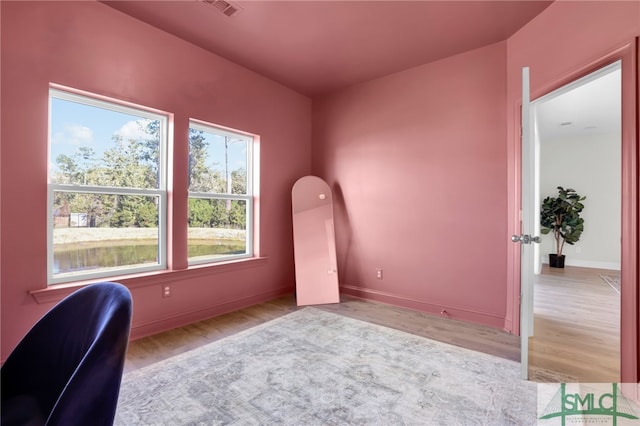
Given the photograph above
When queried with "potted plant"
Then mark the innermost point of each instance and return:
(561, 216)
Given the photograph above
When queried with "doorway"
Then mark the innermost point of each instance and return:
(578, 140)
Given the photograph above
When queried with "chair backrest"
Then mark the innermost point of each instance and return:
(68, 368)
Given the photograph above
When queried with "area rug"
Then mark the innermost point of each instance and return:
(613, 281)
(312, 367)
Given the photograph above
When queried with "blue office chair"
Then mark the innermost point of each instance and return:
(68, 368)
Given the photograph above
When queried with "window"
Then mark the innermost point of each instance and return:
(107, 188)
(220, 194)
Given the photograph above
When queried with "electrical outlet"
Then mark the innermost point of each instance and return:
(379, 273)
(166, 290)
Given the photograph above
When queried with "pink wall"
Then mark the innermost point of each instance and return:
(92, 47)
(418, 165)
(566, 41)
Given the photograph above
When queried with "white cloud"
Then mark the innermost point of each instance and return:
(134, 130)
(74, 134)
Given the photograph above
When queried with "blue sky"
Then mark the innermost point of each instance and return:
(74, 125)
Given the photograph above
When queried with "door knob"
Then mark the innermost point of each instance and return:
(525, 239)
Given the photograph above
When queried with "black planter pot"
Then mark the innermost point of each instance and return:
(556, 261)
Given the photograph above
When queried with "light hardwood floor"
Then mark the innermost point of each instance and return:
(556, 348)
(158, 347)
(576, 327)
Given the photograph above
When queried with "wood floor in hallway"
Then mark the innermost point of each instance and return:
(576, 327)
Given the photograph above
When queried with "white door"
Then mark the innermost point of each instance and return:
(528, 226)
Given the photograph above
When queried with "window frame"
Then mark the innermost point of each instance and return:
(248, 197)
(161, 192)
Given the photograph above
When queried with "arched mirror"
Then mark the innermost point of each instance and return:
(314, 242)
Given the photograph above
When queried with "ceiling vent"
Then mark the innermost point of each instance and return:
(224, 6)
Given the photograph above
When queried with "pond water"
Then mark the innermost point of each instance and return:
(83, 256)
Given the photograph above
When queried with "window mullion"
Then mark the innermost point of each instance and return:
(219, 196)
(86, 189)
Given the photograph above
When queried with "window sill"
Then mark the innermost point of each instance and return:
(56, 292)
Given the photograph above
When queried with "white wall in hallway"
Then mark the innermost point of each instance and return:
(590, 164)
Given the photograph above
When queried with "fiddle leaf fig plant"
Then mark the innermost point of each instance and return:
(561, 216)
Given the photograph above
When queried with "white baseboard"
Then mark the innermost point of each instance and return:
(588, 263)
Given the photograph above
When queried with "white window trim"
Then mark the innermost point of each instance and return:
(160, 192)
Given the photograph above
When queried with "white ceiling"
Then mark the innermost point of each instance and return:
(593, 107)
